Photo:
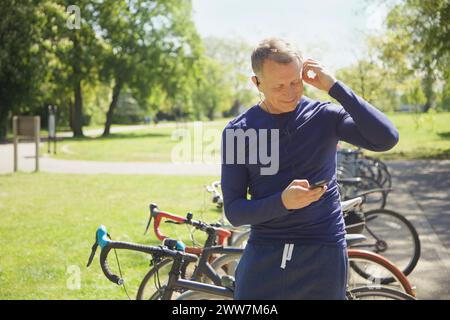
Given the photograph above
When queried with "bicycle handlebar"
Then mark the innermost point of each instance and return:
(158, 215)
(106, 245)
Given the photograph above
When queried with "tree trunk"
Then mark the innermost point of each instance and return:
(112, 106)
(428, 83)
(77, 124)
(71, 114)
(77, 120)
(3, 125)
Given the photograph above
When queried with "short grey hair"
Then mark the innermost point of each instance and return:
(277, 50)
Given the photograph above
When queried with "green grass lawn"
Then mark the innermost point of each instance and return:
(422, 136)
(154, 144)
(49, 223)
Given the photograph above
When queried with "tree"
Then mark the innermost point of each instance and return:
(214, 93)
(372, 82)
(78, 58)
(22, 57)
(147, 44)
(417, 42)
(234, 55)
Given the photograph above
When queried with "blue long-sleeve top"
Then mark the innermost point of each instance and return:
(307, 150)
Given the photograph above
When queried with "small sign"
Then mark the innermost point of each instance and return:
(25, 126)
(28, 127)
(51, 126)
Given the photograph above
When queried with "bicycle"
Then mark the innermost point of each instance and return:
(374, 196)
(392, 235)
(388, 233)
(180, 259)
(353, 163)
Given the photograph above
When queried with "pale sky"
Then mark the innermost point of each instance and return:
(331, 31)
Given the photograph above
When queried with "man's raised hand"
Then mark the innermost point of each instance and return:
(322, 80)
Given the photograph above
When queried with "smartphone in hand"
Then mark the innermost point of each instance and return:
(318, 184)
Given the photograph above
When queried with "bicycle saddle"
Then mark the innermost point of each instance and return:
(348, 205)
(352, 239)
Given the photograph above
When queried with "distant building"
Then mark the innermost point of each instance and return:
(410, 108)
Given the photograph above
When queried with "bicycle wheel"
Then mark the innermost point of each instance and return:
(226, 264)
(155, 281)
(372, 270)
(392, 235)
(373, 200)
(384, 177)
(241, 240)
(366, 293)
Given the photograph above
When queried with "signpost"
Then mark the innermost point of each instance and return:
(52, 127)
(26, 127)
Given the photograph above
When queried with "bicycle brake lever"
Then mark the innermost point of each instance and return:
(91, 257)
(148, 224)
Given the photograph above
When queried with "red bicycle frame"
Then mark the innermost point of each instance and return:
(158, 215)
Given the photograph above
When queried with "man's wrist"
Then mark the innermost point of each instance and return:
(283, 202)
(332, 83)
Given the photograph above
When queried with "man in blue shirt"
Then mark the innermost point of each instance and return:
(296, 248)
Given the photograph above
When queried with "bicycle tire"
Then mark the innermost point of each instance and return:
(387, 293)
(353, 294)
(390, 272)
(382, 246)
(384, 175)
(241, 239)
(226, 263)
(148, 280)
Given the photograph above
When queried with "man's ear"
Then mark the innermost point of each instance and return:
(256, 81)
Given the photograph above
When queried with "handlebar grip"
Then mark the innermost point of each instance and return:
(105, 268)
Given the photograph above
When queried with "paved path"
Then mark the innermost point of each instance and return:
(47, 164)
(422, 194)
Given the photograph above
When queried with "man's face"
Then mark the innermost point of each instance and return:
(282, 84)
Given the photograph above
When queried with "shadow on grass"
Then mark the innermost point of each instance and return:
(444, 135)
(119, 136)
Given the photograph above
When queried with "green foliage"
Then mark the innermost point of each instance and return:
(128, 110)
(233, 54)
(214, 93)
(25, 45)
(416, 46)
(149, 47)
(373, 83)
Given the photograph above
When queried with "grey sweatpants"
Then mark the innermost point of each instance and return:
(291, 272)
